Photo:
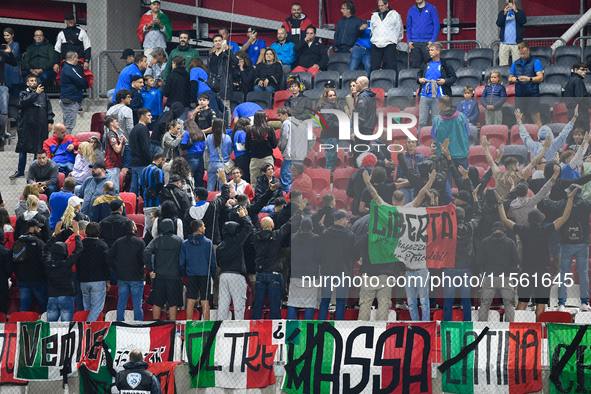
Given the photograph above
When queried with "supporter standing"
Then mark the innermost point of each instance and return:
(124, 81)
(152, 183)
(366, 108)
(296, 24)
(115, 144)
(154, 29)
(125, 118)
(93, 271)
(284, 50)
(178, 87)
(151, 98)
(101, 207)
(312, 56)
(511, 21)
(246, 110)
(575, 93)
(203, 115)
(13, 73)
(72, 38)
(348, 28)
(128, 55)
(243, 74)
(527, 74)
(21, 206)
(170, 140)
(137, 102)
(148, 382)
(156, 66)
(413, 158)
(543, 133)
(126, 258)
(329, 135)
(92, 188)
(44, 172)
(219, 146)
(72, 86)
(34, 121)
(260, 142)
(193, 142)
(264, 182)
(241, 155)
(59, 201)
(297, 101)
(387, 31)
(493, 97)
(220, 63)
(6, 269)
(469, 107)
(293, 143)
(361, 52)
(139, 144)
(422, 29)
(112, 225)
(183, 50)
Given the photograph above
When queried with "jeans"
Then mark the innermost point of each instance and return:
(136, 288)
(93, 294)
(426, 105)
(269, 88)
(136, 174)
(271, 284)
(212, 175)
(331, 154)
(115, 174)
(22, 161)
(154, 149)
(359, 55)
(449, 291)
(341, 297)
(196, 163)
(66, 168)
(292, 313)
(79, 302)
(126, 157)
(70, 114)
(4, 97)
(417, 286)
(458, 163)
(285, 174)
(581, 254)
(60, 307)
(28, 290)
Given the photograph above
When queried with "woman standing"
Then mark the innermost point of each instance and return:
(194, 143)
(241, 155)
(180, 167)
(12, 74)
(243, 74)
(330, 135)
(218, 143)
(84, 159)
(260, 142)
(268, 74)
(32, 213)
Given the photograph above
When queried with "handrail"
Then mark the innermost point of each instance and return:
(99, 92)
(497, 42)
(478, 44)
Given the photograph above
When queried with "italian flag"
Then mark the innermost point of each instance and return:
(506, 360)
(418, 237)
(222, 357)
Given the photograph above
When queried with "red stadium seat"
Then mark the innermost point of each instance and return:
(477, 158)
(351, 314)
(481, 115)
(478, 93)
(23, 317)
(85, 135)
(510, 89)
(130, 200)
(96, 123)
(321, 159)
(555, 317)
(532, 130)
(380, 96)
(83, 316)
(278, 157)
(341, 177)
(271, 114)
(497, 134)
(457, 315)
(425, 139)
(280, 98)
(61, 177)
(310, 160)
(2, 317)
(211, 195)
(140, 204)
(411, 110)
(559, 113)
(110, 303)
(424, 150)
(320, 178)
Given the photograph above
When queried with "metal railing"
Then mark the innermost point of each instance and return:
(584, 42)
(533, 42)
(465, 45)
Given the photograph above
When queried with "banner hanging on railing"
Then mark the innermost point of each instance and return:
(572, 373)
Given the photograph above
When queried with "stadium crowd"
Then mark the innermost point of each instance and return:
(226, 201)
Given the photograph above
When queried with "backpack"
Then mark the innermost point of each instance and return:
(572, 231)
(19, 251)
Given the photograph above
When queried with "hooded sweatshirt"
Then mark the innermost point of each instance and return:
(58, 267)
(338, 251)
(497, 254)
(267, 244)
(93, 264)
(31, 270)
(175, 111)
(197, 257)
(543, 132)
(453, 125)
(230, 255)
(166, 249)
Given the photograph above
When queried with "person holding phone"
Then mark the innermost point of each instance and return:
(253, 46)
(6, 57)
(511, 21)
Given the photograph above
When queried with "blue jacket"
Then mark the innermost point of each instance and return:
(470, 109)
(239, 138)
(494, 95)
(90, 190)
(58, 202)
(124, 81)
(422, 26)
(285, 52)
(196, 149)
(526, 89)
(545, 131)
(197, 257)
(520, 20)
(152, 101)
(347, 32)
(72, 83)
(365, 39)
(225, 148)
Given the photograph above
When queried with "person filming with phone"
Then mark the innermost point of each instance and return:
(511, 21)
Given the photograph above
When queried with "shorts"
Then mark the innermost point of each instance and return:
(528, 105)
(539, 294)
(199, 286)
(166, 290)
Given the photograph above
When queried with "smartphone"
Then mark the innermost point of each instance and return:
(224, 42)
(4, 46)
(510, 4)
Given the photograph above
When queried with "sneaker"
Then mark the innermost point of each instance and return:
(585, 308)
(16, 175)
(7, 135)
(401, 305)
(562, 308)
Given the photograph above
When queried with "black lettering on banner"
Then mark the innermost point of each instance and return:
(376, 218)
(267, 355)
(411, 228)
(5, 360)
(68, 344)
(233, 352)
(488, 339)
(245, 359)
(434, 216)
(207, 339)
(379, 361)
(80, 328)
(581, 367)
(423, 377)
(30, 348)
(447, 375)
(555, 360)
(535, 343)
(97, 342)
(499, 358)
(473, 335)
(49, 348)
(365, 363)
(422, 231)
(278, 334)
(447, 228)
(558, 367)
(333, 376)
(464, 352)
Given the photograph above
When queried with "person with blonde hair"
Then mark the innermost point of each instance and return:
(84, 159)
(493, 97)
(32, 212)
(21, 206)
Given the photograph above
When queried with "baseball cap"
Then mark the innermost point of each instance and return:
(154, 1)
(135, 78)
(329, 84)
(201, 192)
(499, 226)
(69, 16)
(74, 201)
(98, 164)
(338, 215)
(32, 223)
(175, 178)
(115, 205)
(157, 51)
(94, 137)
(128, 52)
(463, 195)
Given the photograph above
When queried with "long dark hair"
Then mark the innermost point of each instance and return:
(217, 131)
(195, 133)
(4, 218)
(196, 62)
(260, 129)
(180, 167)
(324, 99)
(241, 124)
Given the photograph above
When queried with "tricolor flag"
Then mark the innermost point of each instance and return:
(574, 373)
(8, 346)
(507, 359)
(233, 354)
(418, 237)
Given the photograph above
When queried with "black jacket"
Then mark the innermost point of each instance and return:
(6, 268)
(253, 209)
(267, 244)
(366, 109)
(112, 228)
(178, 87)
(305, 254)
(520, 20)
(93, 264)
(58, 267)
(575, 93)
(230, 254)
(31, 270)
(578, 218)
(149, 383)
(224, 71)
(34, 114)
(263, 185)
(243, 80)
(172, 192)
(355, 189)
(490, 215)
(465, 239)
(557, 192)
(126, 257)
(6, 58)
(447, 72)
(328, 219)
(209, 212)
(20, 226)
(497, 254)
(417, 181)
(139, 143)
(263, 149)
(331, 121)
(166, 249)
(273, 72)
(175, 112)
(298, 106)
(310, 55)
(338, 251)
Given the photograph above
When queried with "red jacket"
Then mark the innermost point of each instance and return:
(304, 24)
(58, 151)
(303, 183)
